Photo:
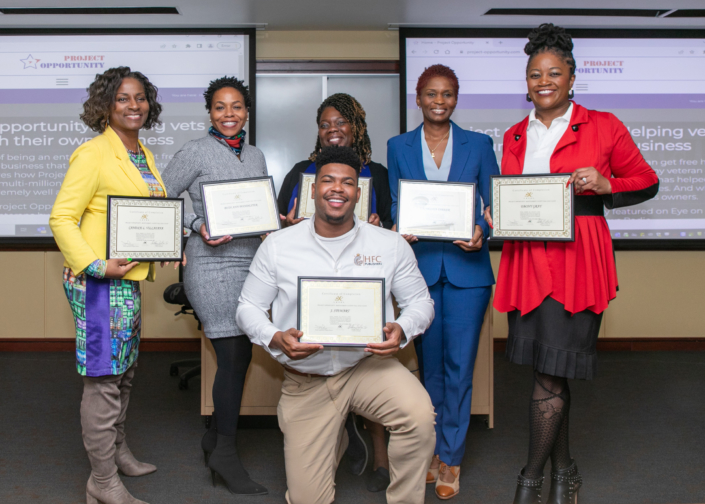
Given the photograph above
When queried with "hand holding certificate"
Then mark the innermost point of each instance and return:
(244, 207)
(341, 311)
(145, 229)
(436, 210)
(537, 207)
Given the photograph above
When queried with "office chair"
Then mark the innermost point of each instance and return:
(175, 294)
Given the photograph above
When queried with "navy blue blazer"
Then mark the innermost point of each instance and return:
(474, 160)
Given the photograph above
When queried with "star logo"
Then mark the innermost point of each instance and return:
(30, 62)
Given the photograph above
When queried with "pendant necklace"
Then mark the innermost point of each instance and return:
(433, 151)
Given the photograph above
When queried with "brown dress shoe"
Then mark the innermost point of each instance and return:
(448, 489)
(432, 474)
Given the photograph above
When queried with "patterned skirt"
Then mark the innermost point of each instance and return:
(108, 322)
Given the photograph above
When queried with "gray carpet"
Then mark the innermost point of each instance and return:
(636, 432)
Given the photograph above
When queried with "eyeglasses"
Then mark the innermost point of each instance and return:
(338, 124)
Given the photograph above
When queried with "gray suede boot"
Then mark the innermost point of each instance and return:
(126, 462)
(100, 409)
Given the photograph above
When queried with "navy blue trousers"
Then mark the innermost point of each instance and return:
(446, 354)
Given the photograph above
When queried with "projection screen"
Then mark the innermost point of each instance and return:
(43, 81)
(653, 81)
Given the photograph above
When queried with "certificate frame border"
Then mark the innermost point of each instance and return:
(300, 279)
(437, 238)
(538, 238)
(297, 213)
(178, 239)
(273, 194)
(366, 195)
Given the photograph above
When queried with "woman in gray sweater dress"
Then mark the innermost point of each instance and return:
(217, 269)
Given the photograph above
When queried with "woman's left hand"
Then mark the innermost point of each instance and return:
(374, 219)
(176, 263)
(589, 179)
(473, 245)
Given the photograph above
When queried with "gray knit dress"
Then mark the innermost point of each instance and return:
(213, 276)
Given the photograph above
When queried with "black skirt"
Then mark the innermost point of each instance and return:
(553, 341)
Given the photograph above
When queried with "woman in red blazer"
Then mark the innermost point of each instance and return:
(554, 293)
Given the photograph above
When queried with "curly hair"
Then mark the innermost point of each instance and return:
(353, 112)
(437, 71)
(548, 37)
(227, 82)
(338, 155)
(103, 91)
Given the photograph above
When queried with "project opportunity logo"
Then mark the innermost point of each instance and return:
(601, 67)
(69, 61)
(30, 62)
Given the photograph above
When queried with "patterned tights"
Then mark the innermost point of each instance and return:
(548, 423)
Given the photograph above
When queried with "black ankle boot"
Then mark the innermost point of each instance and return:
(209, 439)
(565, 484)
(225, 462)
(528, 490)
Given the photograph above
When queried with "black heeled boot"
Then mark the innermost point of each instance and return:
(528, 490)
(565, 484)
(209, 439)
(225, 462)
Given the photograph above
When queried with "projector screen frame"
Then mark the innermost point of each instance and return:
(48, 243)
(418, 32)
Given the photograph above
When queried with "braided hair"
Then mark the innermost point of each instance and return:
(548, 37)
(353, 112)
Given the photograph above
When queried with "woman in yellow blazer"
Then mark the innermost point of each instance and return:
(105, 295)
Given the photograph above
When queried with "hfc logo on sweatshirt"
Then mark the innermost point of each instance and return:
(363, 260)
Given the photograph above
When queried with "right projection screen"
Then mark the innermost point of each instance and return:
(655, 86)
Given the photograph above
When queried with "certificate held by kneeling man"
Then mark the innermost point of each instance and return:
(329, 283)
(341, 311)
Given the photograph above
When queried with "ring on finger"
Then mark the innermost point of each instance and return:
(584, 179)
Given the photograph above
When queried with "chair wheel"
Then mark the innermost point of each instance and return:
(183, 384)
(173, 370)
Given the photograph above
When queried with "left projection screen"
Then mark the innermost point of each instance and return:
(43, 81)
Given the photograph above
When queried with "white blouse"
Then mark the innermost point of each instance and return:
(542, 141)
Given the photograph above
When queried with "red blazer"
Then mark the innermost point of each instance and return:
(581, 274)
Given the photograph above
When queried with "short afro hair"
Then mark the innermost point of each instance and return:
(338, 155)
(227, 82)
(437, 71)
(549, 37)
(103, 91)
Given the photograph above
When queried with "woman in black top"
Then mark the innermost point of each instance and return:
(341, 121)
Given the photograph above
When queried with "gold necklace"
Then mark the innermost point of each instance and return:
(433, 151)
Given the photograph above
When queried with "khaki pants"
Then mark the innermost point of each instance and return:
(312, 414)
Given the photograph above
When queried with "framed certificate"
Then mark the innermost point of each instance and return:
(244, 207)
(436, 210)
(145, 229)
(305, 206)
(341, 311)
(535, 207)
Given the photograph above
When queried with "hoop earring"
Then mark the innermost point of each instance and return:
(528, 98)
(571, 95)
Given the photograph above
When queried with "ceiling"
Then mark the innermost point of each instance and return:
(343, 15)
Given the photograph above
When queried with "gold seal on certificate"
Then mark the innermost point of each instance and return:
(436, 210)
(305, 206)
(145, 229)
(244, 207)
(341, 311)
(532, 207)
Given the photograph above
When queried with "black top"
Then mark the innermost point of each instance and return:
(380, 184)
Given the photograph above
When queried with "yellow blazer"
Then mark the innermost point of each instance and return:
(98, 168)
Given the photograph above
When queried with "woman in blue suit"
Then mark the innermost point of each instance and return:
(458, 274)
